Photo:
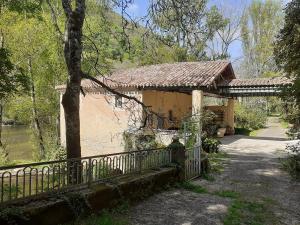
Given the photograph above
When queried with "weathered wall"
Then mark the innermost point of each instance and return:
(228, 113)
(102, 124)
(162, 102)
(197, 101)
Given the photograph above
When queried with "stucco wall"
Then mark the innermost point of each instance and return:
(102, 124)
(228, 116)
(162, 102)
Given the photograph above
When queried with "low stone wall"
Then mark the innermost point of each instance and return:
(52, 209)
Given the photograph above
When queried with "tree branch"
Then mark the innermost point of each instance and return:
(67, 7)
(131, 98)
(54, 19)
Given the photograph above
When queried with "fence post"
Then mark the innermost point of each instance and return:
(139, 158)
(178, 156)
(90, 172)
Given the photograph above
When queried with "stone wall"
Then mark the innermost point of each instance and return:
(62, 208)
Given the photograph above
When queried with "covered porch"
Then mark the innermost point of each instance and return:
(172, 108)
(174, 105)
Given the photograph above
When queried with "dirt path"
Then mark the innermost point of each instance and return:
(273, 129)
(252, 169)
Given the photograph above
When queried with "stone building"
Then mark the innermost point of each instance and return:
(173, 91)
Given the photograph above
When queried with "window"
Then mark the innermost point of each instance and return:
(118, 102)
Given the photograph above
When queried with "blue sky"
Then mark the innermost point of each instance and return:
(139, 9)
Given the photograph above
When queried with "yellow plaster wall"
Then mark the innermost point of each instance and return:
(161, 102)
(228, 114)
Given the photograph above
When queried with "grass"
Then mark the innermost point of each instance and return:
(249, 213)
(253, 133)
(106, 218)
(208, 177)
(194, 188)
(114, 217)
(227, 194)
(199, 189)
(246, 132)
(18, 162)
(291, 164)
(284, 124)
(216, 161)
(242, 131)
(240, 211)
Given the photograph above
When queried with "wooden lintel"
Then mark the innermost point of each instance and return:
(214, 95)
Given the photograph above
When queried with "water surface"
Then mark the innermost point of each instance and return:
(18, 142)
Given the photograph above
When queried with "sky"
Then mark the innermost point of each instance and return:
(139, 8)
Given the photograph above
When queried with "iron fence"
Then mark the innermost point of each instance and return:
(193, 162)
(27, 180)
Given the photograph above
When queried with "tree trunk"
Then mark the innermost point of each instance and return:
(72, 53)
(70, 100)
(36, 122)
(1, 120)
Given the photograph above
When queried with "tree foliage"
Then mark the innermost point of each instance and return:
(287, 54)
(11, 80)
(187, 25)
(260, 24)
(287, 51)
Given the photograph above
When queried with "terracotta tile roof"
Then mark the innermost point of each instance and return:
(189, 74)
(275, 81)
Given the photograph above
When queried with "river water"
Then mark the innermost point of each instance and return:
(18, 142)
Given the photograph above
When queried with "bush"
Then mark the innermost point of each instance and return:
(140, 141)
(3, 155)
(55, 152)
(292, 162)
(190, 125)
(293, 133)
(210, 145)
(249, 117)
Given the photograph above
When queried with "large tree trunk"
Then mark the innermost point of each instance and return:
(72, 53)
(1, 120)
(36, 121)
(70, 100)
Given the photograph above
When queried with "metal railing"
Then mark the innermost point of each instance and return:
(27, 180)
(193, 162)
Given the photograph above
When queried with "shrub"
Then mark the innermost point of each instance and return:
(140, 141)
(293, 133)
(292, 162)
(190, 127)
(55, 152)
(3, 155)
(249, 117)
(210, 145)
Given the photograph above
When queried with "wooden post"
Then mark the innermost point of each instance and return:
(230, 116)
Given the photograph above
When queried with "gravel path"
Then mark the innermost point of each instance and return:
(252, 169)
(180, 207)
(273, 129)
